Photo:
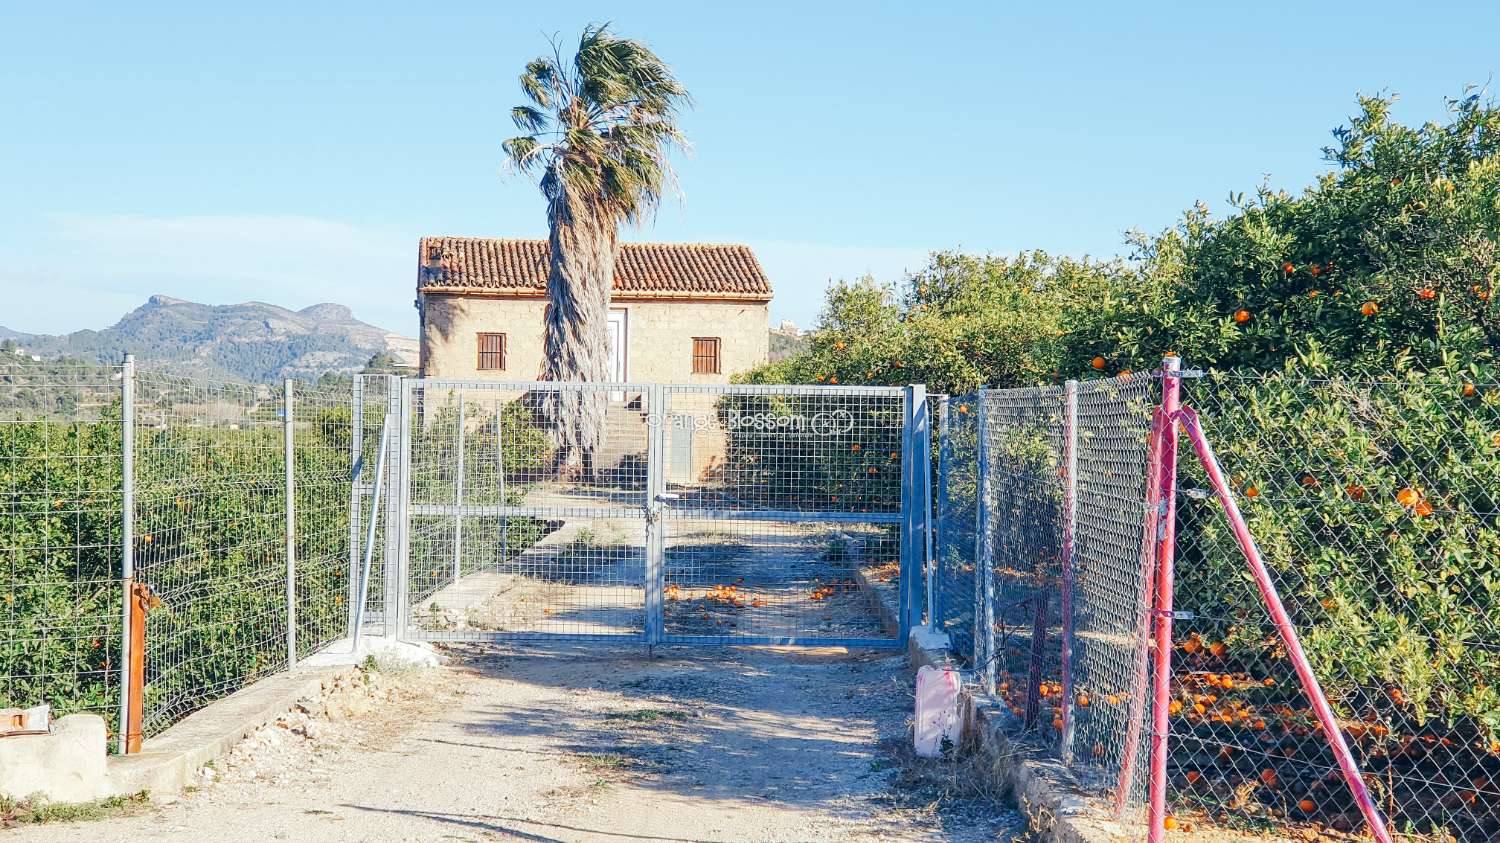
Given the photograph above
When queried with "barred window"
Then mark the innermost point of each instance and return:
(491, 352)
(705, 355)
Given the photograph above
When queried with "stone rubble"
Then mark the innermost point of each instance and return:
(294, 740)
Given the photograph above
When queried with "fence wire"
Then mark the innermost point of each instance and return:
(1374, 502)
(506, 540)
(782, 513)
(60, 557)
(210, 534)
(1002, 520)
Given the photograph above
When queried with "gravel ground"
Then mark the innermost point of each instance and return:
(589, 744)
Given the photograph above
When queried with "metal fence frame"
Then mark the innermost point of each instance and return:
(654, 508)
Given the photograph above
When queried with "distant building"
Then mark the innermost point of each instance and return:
(680, 312)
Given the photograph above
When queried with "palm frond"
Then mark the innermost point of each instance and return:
(613, 109)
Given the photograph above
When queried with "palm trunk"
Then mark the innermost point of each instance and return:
(584, 242)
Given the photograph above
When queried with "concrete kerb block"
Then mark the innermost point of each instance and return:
(67, 765)
(380, 648)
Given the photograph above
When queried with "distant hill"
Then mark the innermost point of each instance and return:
(253, 342)
(787, 341)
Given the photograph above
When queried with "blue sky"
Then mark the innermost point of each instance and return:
(264, 151)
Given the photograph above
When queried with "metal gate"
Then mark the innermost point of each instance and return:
(710, 514)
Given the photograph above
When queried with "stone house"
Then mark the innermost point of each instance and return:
(680, 312)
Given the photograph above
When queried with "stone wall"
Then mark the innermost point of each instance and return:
(659, 346)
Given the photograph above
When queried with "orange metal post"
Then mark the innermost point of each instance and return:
(141, 600)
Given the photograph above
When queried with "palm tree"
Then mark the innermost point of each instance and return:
(598, 131)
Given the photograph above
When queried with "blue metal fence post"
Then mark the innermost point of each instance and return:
(984, 553)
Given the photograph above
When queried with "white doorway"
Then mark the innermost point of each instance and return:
(619, 344)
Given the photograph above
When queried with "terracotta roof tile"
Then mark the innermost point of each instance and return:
(502, 265)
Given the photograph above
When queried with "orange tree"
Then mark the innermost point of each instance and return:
(1367, 457)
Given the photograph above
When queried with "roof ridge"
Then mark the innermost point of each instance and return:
(453, 263)
(666, 243)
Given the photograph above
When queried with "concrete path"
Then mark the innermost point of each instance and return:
(590, 744)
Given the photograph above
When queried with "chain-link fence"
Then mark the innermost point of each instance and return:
(238, 517)
(1040, 561)
(1374, 503)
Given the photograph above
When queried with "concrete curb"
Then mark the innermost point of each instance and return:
(167, 762)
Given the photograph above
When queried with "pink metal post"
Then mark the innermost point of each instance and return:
(1283, 624)
(1144, 608)
(1070, 523)
(1171, 401)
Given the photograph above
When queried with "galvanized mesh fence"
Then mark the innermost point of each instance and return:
(503, 537)
(783, 510)
(373, 431)
(703, 514)
(211, 534)
(1014, 527)
(60, 468)
(955, 516)
(321, 460)
(1374, 503)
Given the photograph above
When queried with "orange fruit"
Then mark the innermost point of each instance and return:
(1422, 509)
(1312, 294)
(1097, 362)
(855, 447)
(1427, 293)
(1408, 497)
(1469, 390)
(1369, 308)
(1268, 777)
(1315, 269)
(1241, 316)
(1356, 491)
(1288, 268)
(1057, 723)
(1252, 492)
(1170, 823)
(1083, 700)
(840, 345)
(1307, 806)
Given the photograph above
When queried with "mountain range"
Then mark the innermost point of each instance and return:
(253, 341)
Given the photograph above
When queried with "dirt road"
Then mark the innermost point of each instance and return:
(596, 744)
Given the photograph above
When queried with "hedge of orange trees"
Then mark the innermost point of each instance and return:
(1352, 334)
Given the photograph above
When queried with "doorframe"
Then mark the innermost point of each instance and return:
(623, 376)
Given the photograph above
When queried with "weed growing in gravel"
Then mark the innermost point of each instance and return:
(36, 811)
